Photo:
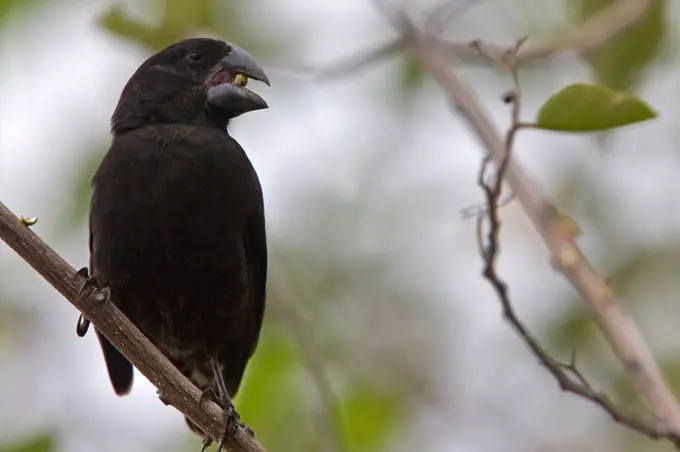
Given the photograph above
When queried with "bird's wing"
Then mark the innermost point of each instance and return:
(120, 369)
(255, 246)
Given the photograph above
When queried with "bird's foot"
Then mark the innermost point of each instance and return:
(230, 418)
(88, 284)
(102, 295)
(230, 424)
(207, 394)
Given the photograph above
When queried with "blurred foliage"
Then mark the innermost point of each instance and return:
(180, 19)
(411, 76)
(572, 330)
(372, 414)
(79, 202)
(589, 108)
(6, 7)
(278, 398)
(38, 443)
(621, 62)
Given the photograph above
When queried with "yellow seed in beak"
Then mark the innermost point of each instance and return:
(240, 80)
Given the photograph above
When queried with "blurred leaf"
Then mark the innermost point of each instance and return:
(271, 398)
(116, 21)
(588, 108)
(41, 443)
(573, 330)
(79, 203)
(6, 6)
(371, 415)
(180, 19)
(274, 361)
(619, 63)
(645, 263)
(183, 15)
(411, 73)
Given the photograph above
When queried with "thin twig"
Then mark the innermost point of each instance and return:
(344, 66)
(174, 387)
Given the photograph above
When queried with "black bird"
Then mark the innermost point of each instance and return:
(177, 229)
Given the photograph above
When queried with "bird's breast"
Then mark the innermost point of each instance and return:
(168, 220)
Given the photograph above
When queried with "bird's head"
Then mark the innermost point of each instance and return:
(195, 81)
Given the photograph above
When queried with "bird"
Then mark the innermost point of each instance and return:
(177, 225)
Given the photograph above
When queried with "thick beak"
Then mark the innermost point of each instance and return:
(232, 98)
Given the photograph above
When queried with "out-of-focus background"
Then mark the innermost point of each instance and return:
(375, 274)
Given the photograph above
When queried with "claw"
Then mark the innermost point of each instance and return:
(89, 283)
(230, 426)
(82, 326)
(207, 441)
(208, 393)
(102, 295)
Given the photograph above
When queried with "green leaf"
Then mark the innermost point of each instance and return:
(621, 61)
(42, 443)
(590, 108)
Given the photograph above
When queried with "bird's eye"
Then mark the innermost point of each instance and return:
(194, 56)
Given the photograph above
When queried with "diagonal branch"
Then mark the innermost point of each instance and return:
(172, 385)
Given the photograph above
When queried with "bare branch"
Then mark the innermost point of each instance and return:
(173, 387)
